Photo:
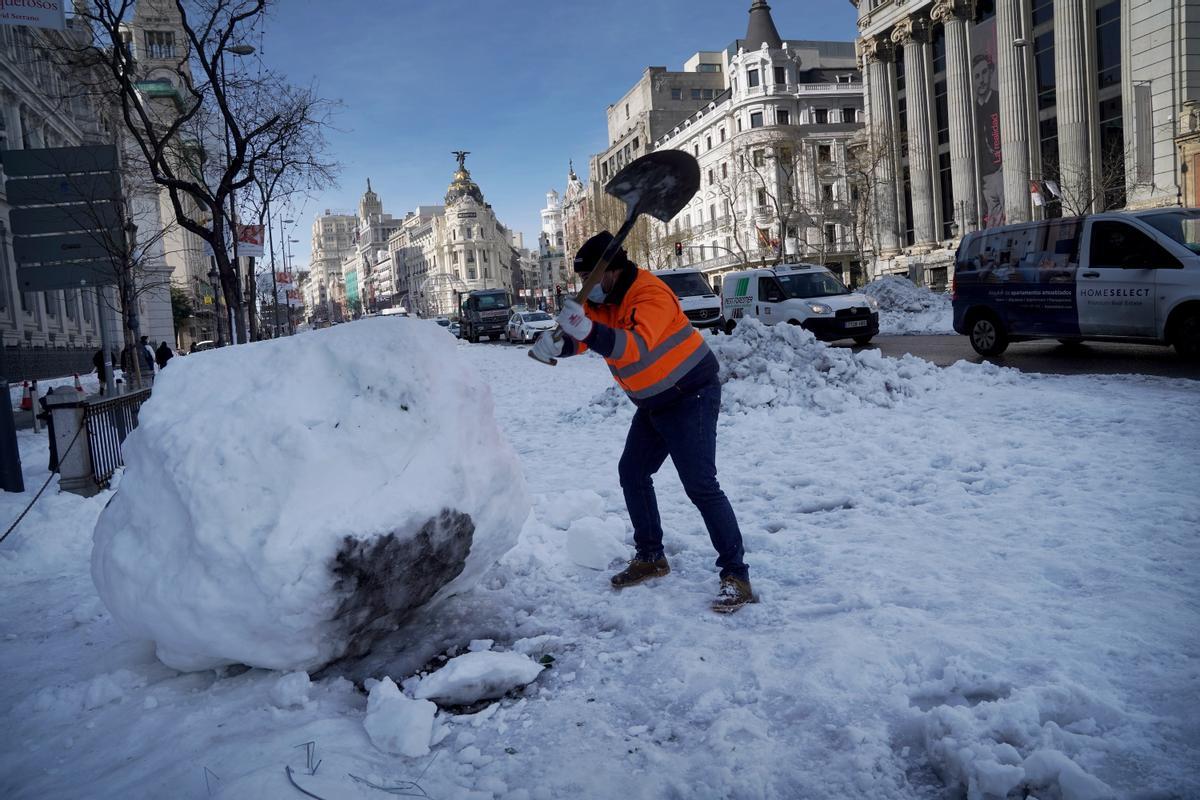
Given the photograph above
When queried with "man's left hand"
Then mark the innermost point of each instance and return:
(573, 321)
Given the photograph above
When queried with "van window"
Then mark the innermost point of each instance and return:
(1120, 245)
(812, 284)
(686, 284)
(1183, 226)
(769, 291)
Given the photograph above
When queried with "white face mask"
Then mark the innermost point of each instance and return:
(597, 294)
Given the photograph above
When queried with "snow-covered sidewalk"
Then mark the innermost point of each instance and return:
(974, 581)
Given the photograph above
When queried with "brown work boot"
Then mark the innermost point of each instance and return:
(734, 594)
(640, 570)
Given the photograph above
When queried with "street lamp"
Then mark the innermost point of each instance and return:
(237, 50)
(214, 278)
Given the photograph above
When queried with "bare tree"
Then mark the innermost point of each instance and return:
(1082, 190)
(260, 119)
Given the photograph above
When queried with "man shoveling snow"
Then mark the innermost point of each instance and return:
(634, 320)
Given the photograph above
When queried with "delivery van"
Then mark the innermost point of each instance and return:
(1116, 276)
(807, 295)
(700, 302)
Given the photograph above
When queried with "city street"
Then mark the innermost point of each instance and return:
(1047, 356)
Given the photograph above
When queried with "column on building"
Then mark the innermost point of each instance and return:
(913, 35)
(883, 143)
(1014, 119)
(953, 15)
(1071, 99)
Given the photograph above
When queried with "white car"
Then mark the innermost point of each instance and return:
(524, 326)
(455, 329)
(699, 301)
(807, 295)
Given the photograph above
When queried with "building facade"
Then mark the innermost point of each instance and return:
(553, 273)
(772, 124)
(985, 113)
(332, 243)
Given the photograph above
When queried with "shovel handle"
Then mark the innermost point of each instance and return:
(552, 362)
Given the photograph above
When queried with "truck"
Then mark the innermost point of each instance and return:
(485, 312)
(807, 295)
(1115, 276)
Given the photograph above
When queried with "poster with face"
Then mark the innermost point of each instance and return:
(986, 103)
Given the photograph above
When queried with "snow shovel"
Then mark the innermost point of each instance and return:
(659, 184)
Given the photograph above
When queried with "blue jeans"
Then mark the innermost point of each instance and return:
(685, 430)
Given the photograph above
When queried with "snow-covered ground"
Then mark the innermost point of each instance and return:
(905, 308)
(974, 582)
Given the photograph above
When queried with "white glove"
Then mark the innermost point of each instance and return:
(574, 321)
(547, 346)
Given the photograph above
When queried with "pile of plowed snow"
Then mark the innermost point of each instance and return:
(905, 307)
(785, 365)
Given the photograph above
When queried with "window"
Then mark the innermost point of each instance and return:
(847, 79)
(830, 234)
(160, 44)
(712, 212)
(739, 124)
(635, 144)
(627, 111)
(711, 177)
(69, 303)
(696, 149)
(761, 197)
(751, 78)
(849, 115)
(708, 94)
(824, 153)
(51, 304)
(756, 119)
(827, 192)
(677, 94)
(695, 94)
(821, 116)
(1122, 246)
(760, 158)
(724, 169)
(708, 68)
(781, 75)
(782, 116)
(722, 132)
(708, 141)
(769, 291)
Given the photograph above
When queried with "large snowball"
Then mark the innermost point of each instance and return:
(284, 502)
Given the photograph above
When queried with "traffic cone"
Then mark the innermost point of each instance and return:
(26, 398)
(78, 385)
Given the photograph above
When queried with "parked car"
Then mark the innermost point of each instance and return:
(524, 326)
(207, 344)
(1117, 276)
(807, 295)
(699, 300)
(443, 321)
(455, 329)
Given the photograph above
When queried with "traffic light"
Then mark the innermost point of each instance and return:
(679, 248)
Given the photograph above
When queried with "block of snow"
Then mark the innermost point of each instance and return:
(285, 502)
(596, 543)
(472, 677)
(479, 645)
(291, 690)
(398, 724)
(563, 508)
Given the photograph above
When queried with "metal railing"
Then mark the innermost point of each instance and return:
(107, 423)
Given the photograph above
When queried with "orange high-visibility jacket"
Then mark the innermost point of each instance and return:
(655, 345)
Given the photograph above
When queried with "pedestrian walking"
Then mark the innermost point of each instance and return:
(163, 354)
(146, 354)
(101, 369)
(635, 322)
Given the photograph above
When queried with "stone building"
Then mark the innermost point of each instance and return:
(771, 123)
(553, 273)
(332, 243)
(442, 252)
(43, 106)
(985, 113)
(367, 267)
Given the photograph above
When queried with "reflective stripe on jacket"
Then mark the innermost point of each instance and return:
(656, 345)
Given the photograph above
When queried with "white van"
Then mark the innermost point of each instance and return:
(699, 300)
(1117, 276)
(807, 295)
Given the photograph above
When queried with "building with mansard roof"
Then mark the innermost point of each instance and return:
(984, 113)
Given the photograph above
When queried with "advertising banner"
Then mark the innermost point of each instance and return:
(985, 90)
(250, 238)
(34, 13)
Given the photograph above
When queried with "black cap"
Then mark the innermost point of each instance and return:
(591, 250)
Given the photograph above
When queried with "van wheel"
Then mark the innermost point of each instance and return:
(988, 336)
(1073, 344)
(729, 326)
(1185, 335)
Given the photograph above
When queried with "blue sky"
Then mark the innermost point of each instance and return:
(522, 84)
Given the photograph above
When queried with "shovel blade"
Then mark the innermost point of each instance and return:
(659, 184)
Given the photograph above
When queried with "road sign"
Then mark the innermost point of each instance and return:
(58, 189)
(69, 275)
(65, 218)
(58, 160)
